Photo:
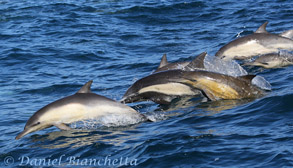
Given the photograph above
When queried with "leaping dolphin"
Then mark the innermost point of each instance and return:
(197, 63)
(163, 86)
(273, 60)
(259, 43)
(83, 105)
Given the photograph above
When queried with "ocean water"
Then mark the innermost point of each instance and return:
(49, 49)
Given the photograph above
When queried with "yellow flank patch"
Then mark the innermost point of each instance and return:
(218, 90)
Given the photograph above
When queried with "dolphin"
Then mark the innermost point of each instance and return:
(163, 86)
(259, 43)
(197, 63)
(273, 60)
(83, 105)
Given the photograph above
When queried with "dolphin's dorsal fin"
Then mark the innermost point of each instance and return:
(198, 62)
(164, 61)
(287, 34)
(247, 78)
(86, 88)
(262, 28)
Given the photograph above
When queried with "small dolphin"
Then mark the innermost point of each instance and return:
(163, 86)
(273, 60)
(259, 43)
(83, 105)
(197, 63)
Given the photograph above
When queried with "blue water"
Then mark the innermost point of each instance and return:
(49, 49)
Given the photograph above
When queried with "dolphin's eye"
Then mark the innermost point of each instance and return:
(37, 123)
(264, 63)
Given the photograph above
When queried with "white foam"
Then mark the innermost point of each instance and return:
(232, 68)
(156, 116)
(108, 121)
(226, 67)
(260, 82)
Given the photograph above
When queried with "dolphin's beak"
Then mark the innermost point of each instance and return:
(125, 99)
(249, 64)
(31, 129)
(23, 133)
(128, 98)
(122, 100)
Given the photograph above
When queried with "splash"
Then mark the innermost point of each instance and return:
(232, 68)
(260, 82)
(108, 121)
(156, 116)
(226, 67)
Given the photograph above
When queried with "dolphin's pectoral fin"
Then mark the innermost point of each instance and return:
(194, 83)
(209, 95)
(62, 126)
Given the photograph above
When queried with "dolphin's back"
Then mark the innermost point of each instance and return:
(172, 66)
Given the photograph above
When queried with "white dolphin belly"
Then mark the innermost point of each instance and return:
(249, 49)
(77, 112)
(169, 89)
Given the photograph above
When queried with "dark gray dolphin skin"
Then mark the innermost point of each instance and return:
(83, 105)
(197, 63)
(163, 86)
(273, 60)
(259, 43)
